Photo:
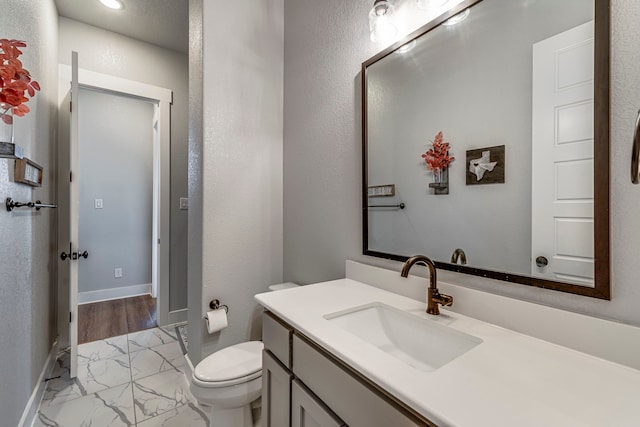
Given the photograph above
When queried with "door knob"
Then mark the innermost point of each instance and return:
(542, 261)
(74, 255)
(77, 255)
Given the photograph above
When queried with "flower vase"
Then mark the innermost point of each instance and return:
(440, 182)
(6, 125)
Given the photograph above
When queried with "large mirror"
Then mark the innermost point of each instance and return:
(519, 89)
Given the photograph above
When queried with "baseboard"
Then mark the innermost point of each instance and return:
(178, 316)
(113, 293)
(30, 411)
(188, 368)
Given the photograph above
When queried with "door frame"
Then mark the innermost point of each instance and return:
(162, 99)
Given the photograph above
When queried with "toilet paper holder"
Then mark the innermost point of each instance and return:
(214, 304)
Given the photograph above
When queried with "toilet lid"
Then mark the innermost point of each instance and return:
(236, 361)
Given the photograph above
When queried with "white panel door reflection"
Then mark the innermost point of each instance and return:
(562, 238)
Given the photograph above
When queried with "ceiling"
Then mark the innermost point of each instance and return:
(161, 22)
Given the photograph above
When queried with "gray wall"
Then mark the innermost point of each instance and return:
(241, 163)
(113, 54)
(325, 44)
(27, 251)
(435, 87)
(116, 165)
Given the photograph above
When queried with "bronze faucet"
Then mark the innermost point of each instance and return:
(458, 254)
(434, 297)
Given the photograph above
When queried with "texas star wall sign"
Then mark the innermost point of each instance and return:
(486, 165)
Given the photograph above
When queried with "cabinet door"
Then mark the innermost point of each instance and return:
(308, 411)
(276, 392)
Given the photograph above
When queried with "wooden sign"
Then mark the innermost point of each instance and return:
(28, 172)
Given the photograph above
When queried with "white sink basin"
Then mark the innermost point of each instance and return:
(418, 342)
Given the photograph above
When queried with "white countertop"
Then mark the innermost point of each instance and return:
(509, 379)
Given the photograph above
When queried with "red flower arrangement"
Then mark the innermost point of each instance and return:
(438, 158)
(15, 81)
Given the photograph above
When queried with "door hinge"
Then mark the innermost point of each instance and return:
(70, 176)
(70, 106)
(69, 317)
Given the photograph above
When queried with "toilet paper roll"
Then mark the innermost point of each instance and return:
(216, 320)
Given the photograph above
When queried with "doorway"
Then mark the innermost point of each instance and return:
(116, 287)
(96, 85)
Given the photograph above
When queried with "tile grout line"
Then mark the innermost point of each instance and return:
(133, 398)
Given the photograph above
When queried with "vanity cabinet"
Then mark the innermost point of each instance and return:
(312, 387)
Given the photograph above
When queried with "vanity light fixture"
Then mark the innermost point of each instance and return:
(112, 4)
(406, 47)
(431, 4)
(381, 26)
(456, 19)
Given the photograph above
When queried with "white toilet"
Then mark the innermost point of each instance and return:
(230, 379)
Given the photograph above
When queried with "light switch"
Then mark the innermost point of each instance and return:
(118, 273)
(184, 203)
(97, 204)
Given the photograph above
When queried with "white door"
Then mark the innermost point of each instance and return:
(73, 219)
(562, 157)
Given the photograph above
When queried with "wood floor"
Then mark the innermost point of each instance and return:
(100, 320)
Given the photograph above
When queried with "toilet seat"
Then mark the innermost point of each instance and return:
(232, 365)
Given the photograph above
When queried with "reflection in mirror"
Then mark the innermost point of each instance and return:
(511, 88)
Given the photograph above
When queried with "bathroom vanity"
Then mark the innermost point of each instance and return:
(346, 353)
(300, 375)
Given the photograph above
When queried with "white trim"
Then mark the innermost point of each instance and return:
(116, 84)
(113, 293)
(177, 316)
(30, 411)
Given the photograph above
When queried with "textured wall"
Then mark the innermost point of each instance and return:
(119, 234)
(242, 159)
(27, 250)
(113, 54)
(325, 44)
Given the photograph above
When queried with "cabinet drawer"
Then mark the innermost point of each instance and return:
(276, 336)
(307, 410)
(349, 395)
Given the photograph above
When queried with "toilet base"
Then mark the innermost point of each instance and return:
(230, 417)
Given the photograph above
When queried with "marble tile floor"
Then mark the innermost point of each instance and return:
(128, 380)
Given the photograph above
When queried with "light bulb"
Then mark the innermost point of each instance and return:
(406, 47)
(456, 19)
(381, 24)
(112, 4)
(431, 4)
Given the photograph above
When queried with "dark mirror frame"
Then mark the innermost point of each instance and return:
(602, 287)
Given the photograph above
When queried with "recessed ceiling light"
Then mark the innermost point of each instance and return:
(112, 4)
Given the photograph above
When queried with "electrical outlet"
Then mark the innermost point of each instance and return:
(97, 204)
(184, 203)
(118, 272)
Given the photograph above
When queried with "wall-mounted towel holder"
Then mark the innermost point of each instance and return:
(398, 206)
(11, 205)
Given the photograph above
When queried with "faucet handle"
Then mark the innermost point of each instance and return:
(443, 299)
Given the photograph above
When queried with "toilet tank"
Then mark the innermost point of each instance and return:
(281, 286)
